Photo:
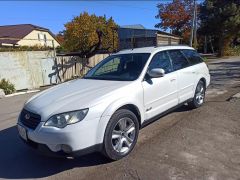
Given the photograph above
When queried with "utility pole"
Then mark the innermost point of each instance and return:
(193, 24)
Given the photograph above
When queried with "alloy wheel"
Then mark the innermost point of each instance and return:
(123, 135)
(200, 94)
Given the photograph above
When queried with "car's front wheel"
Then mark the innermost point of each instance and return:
(121, 134)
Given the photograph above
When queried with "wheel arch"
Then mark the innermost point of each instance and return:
(111, 109)
(204, 81)
(133, 108)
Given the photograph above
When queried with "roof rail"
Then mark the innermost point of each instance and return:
(171, 45)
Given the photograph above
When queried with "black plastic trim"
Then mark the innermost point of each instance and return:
(43, 149)
(151, 120)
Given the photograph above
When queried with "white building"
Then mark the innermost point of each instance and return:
(27, 35)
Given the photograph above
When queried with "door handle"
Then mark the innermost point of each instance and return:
(172, 79)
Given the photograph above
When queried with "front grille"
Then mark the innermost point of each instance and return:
(30, 119)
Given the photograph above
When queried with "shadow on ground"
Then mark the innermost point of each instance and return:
(225, 73)
(17, 161)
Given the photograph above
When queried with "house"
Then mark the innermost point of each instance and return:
(27, 35)
(132, 36)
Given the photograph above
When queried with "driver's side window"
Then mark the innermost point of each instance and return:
(161, 60)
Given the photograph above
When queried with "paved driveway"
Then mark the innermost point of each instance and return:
(197, 144)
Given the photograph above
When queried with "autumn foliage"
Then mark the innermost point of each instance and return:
(176, 16)
(80, 35)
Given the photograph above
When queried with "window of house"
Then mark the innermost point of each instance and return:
(40, 37)
(45, 38)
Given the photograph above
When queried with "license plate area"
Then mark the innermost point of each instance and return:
(22, 132)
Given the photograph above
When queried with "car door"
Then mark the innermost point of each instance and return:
(185, 75)
(196, 62)
(160, 94)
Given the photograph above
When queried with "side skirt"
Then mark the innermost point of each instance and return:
(151, 120)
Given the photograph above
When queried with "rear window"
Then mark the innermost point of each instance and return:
(192, 56)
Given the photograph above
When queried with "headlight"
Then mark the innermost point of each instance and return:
(64, 119)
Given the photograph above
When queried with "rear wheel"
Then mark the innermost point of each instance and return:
(121, 134)
(199, 96)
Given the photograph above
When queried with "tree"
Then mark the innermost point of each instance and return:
(60, 37)
(88, 33)
(221, 19)
(176, 16)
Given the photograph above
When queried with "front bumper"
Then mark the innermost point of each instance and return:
(79, 138)
(43, 149)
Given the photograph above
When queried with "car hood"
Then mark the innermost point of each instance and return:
(72, 95)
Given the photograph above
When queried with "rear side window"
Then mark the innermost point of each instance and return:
(178, 59)
(161, 60)
(192, 56)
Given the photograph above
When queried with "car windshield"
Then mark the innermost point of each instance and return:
(122, 67)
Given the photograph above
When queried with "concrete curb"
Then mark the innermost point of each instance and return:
(235, 97)
(20, 93)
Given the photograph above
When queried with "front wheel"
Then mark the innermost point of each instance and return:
(121, 134)
(199, 95)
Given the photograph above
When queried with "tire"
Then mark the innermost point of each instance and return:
(199, 96)
(121, 134)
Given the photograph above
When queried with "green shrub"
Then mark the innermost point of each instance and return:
(24, 48)
(233, 51)
(205, 59)
(7, 87)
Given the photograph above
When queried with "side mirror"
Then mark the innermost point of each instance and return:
(156, 73)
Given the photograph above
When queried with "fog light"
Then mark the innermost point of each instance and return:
(66, 148)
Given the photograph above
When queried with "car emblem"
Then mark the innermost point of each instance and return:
(27, 116)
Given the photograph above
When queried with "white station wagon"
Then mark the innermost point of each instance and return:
(105, 109)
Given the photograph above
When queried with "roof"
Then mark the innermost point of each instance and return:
(168, 34)
(153, 49)
(17, 32)
(152, 32)
(134, 26)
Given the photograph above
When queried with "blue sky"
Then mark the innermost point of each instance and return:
(54, 14)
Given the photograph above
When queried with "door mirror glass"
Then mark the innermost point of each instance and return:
(156, 72)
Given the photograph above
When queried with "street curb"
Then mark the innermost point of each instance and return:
(20, 93)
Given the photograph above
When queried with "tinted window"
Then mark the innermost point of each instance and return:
(178, 59)
(192, 56)
(121, 67)
(161, 60)
(110, 66)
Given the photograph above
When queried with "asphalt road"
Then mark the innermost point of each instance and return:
(186, 144)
